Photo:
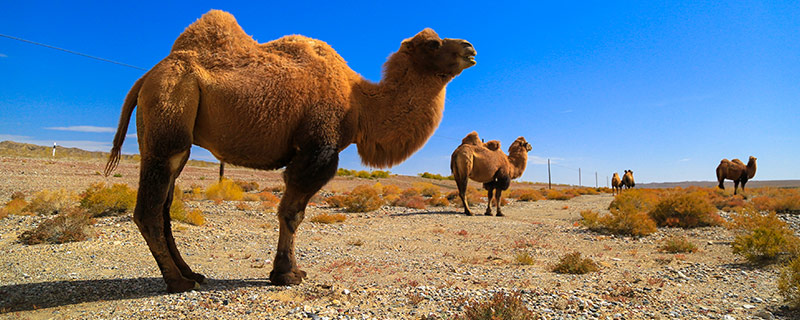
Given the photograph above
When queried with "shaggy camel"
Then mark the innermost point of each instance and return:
(737, 171)
(627, 180)
(616, 183)
(292, 102)
(491, 167)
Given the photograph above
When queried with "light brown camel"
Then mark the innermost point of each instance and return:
(627, 180)
(291, 102)
(737, 171)
(616, 183)
(491, 167)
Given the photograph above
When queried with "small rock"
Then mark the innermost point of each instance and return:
(764, 314)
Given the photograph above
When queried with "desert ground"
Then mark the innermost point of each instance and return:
(392, 263)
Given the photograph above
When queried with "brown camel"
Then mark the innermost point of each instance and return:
(627, 180)
(291, 102)
(491, 167)
(737, 171)
(616, 183)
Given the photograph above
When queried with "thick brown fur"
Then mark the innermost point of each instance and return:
(473, 139)
(627, 180)
(616, 183)
(493, 168)
(292, 102)
(737, 171)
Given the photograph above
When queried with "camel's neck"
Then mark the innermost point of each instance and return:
(398, 115)
(518, 162)
(751, 169)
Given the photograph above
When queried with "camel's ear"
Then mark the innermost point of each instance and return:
(433, 44)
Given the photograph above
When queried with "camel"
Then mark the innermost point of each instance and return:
(292, 102)
(627, 180)
(737, 171)
(616, 183)
(491, 167)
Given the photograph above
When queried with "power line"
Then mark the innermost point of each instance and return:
(72, 52)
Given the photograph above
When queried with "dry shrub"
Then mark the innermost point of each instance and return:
(778, 200)
(410, 199)
(389, 189)
(99, 200)
(328, 218)
(587, 191)
(501, 306)
(572, 263)
(363, 198)
(379, 174)
(473, 196)
(336, 201)
(268, 199)
(635, 200)
(14, 206)
(426, 189)
(686, 210)
(524, 258)
(342, 172)
(69, 226)
(628, 221)
(47, 202)
(554, 194)
(789, 284)
(242, 206)
(526, 194)
(677, 245)
(763, 237)
(251, 197)
(247, 186)
(224, 190)
(363, 174)
(439, 201)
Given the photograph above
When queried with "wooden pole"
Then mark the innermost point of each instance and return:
(595, 180)
(221, 170)
(549, 180)
(579, 177)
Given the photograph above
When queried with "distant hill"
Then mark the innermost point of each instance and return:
(27, 150)
(728, 183)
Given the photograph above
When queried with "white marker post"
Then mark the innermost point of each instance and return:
(54, 149)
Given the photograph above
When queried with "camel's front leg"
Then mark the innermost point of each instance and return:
(311, 169)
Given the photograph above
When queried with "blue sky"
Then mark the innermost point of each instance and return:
(666, 89)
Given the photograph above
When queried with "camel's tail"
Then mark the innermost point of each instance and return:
(122, 128)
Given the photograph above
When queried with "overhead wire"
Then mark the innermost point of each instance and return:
(71, 51)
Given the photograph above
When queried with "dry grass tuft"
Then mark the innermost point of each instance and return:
(247, 186)
(627, 221)
(99, 200)
(686, 209)
(427, 189)
(789, 284)
(226, 190)
(526, 194)
(69, 226)
(572, 263)
(15, 206)
(501, 306)
(554, 194)
(677, 245)
(328, 218)
(439, 201)
(778, 200)
(763, 238)
(524, 258)
(48, 202)
(363, 198)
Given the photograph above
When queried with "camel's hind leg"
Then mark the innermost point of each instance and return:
(186, 271)
(736, 187)
(461, 183)
(308, 171)
(490, 186)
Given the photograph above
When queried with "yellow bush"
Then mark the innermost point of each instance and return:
(426, 189)
(328, 218)
(439, 201)
(554, 194)
(225, 190)
(524, 258)
(685, 210)
(336, 201)
(195, 217)
(68, 226)
(789, 283)
(572, 263)
(100, 200)
(14, 206)
(363, 198)
(763, 238)
(410, 200)
(778, 200)
(51, 202)
(389, 189)
(473, 196)
(526, 194)
(628, 221)
(635, 200)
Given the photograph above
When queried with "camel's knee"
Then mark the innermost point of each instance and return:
(312, 168)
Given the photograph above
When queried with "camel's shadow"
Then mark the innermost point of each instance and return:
(32, 296)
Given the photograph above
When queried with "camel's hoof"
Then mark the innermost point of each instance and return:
(469, 213)
(182, 285)
(295, 276)
(199, 278)
(500, 214)
(488, 214)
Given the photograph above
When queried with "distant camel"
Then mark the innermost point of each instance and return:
(616, 183)
(292, 102)
(737, 171)
(491, 167)
(627, 180)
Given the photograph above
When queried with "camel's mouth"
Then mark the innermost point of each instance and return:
(470, 59)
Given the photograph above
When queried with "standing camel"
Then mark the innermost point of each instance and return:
(616, 183)
(292, 102)
(627, 180)
(737, 171)
(488, 166)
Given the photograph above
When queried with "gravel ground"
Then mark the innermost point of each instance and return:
(393, 263)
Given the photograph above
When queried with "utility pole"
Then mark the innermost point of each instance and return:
(595, 179)
(579, 177)
(549, 181)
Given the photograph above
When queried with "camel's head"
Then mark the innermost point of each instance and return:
(519, 145)
(443, 57)
(752, 159)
